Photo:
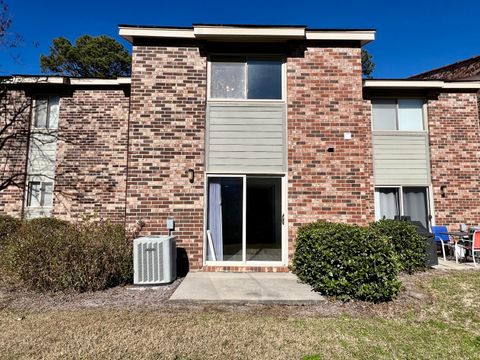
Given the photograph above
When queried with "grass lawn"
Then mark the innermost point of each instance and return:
(446, 325)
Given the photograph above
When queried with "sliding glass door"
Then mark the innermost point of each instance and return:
(408, 201)
(244, 219)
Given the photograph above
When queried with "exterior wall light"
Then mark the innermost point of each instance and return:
(191, 175)
(443, 191)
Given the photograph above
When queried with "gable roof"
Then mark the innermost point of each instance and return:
(468, 69)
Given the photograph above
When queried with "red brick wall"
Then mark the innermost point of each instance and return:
(454, 156)
(15, 110)
(90, 177)
(167, 126)
(324, 101)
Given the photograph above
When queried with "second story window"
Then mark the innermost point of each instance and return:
(45, 112)
(246, 78)
(398, 114)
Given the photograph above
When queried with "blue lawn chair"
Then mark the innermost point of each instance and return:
(441, 237)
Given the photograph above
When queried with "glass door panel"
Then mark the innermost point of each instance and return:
(415, 204)
(264, 219)
(388, 200)
(225, 219)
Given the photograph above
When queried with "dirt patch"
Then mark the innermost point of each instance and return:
(118, 297)
(127, 297)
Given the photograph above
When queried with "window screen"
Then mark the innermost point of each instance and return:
(410, 114)
(384, 115)
(228, 80)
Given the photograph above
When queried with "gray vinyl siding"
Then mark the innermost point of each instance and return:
(401, 158)
(246, 137)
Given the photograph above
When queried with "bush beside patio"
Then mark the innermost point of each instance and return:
(346, 261)
(408, 245)
(53, 255)
(353, 262)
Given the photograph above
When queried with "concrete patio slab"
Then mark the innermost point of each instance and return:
(268, 288)
(452, 265)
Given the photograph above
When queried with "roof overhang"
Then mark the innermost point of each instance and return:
(364, 36)
(62, 80)
(246, 33)
(420, 84)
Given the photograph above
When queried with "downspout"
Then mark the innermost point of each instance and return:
(128, 155)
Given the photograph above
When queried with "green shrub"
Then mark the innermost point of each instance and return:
(53, 255)
(8, 226)
(409, 246)
(346, 261)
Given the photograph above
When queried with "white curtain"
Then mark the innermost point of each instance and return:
(389, 207)
(215, 218)
(415, 204)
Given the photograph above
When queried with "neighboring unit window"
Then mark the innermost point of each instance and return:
(40, 194)
(401, 114)
(389, 203)
(240, 78)
(415, 204)
(393, 202)
(46, 112)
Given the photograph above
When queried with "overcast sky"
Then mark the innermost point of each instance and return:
(412, 36)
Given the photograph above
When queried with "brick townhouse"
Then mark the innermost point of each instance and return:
(241, 134)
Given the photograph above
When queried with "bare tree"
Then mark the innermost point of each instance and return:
(27, 148)
(15, 110)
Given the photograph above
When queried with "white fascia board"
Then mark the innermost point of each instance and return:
(247, 32)
(99, 82)
(409, 84)
(37, 80)
(124, 80)
(403, 84)
(129, 33)
(462, 85)
(365, 36)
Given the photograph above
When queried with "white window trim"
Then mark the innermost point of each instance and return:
(244, 262)
(279, 57)
(397, 131)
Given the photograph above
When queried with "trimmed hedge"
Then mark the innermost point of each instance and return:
(346, 261)
(409, 246)
(53, 255)
(8, 226)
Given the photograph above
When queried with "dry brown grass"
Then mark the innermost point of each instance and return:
(430, 331)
